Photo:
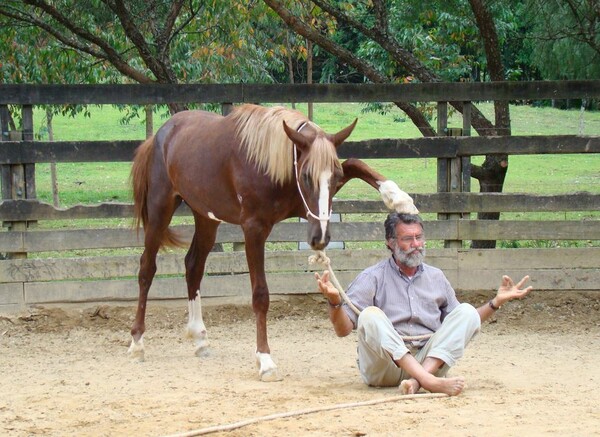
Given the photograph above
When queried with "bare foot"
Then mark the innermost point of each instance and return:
(450, 386)
(409, 386)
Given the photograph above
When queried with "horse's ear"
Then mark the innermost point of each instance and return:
(297, 138)
(341, 136)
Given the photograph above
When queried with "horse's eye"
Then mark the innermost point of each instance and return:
(337, 175)
(307, 180)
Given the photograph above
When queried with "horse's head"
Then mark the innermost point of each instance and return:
(318, 171)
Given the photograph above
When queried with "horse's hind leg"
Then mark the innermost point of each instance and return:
(153, 234)
(195, 261)
(145, 276)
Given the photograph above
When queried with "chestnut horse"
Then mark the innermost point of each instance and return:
(254, 167)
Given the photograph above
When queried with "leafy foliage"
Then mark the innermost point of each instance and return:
(563, 38)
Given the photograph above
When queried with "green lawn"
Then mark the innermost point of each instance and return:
(544, 174)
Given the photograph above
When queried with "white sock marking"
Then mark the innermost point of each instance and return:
(396, 199)
(195, 327)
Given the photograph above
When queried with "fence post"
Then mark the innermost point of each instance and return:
(18, 180)
(466, 160)
(449, 169)
(148, 109)
(27, 116)
(238, 246)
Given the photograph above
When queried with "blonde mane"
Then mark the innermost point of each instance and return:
(261, 134)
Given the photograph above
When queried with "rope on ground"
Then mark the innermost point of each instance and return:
(242, 423)
(321, 258)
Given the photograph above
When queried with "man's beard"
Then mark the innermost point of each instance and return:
(410, 258)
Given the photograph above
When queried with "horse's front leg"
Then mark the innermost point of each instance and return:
(195, 261)
(255, 236)
(393, 197)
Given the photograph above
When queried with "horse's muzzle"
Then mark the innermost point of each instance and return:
(317, 243)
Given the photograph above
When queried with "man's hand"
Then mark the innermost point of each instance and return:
(331, 293)
(340, 320)
(509, 291)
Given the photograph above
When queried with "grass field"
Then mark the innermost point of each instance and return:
(92, 183)
(105, 182)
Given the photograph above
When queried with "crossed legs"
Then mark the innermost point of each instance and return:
(385, 361)
(424, 375)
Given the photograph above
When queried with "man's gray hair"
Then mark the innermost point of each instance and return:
(394, 218)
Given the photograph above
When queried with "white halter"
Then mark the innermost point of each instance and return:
(323, 217)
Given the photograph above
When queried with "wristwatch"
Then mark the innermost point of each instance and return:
(335, 306)
(492, 306)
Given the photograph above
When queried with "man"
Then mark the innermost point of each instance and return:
(411, 328)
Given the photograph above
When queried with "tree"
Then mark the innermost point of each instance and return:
(154, 41)
(394, 58)
(159, 41)
(564, 37)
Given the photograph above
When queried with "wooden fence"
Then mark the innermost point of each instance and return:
(26, 280)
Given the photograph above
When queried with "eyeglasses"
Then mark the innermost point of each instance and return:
(409, 239)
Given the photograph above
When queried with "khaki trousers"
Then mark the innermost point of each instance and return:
(379, 342)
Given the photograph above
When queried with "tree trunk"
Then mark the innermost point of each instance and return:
(491, 176)
(290, 62)
(492, 172)
(53, 176)
(309, 72)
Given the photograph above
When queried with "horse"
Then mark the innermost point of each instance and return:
(254, 168)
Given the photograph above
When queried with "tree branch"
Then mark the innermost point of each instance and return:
(402, 56)
(133, 33)
(381, 17)
(487, 30)
(107, 52)
(347, 57)
(163, 39)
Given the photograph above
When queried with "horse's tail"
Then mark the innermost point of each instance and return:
(140, 174)
(139, 180)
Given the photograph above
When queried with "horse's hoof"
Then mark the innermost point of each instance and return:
(136, 355)
(136, 351)
(271, 375)
(202, 352)
(267, 370)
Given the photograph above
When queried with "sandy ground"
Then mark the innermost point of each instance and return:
(533, 370)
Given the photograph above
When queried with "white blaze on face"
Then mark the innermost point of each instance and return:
(324, 201)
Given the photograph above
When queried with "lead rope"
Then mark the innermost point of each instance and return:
(242, 423)
(323, 259)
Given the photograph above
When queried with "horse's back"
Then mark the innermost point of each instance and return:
(199, 150)
(185, 123)
(188, 133)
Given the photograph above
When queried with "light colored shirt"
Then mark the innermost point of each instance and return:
(415, 306)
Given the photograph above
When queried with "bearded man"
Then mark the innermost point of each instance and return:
(411, 328)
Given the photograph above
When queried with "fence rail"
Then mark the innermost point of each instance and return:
(143, 94)
(21, 152)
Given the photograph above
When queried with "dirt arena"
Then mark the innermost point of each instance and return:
(533, 371)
